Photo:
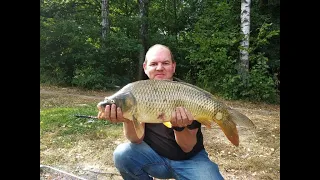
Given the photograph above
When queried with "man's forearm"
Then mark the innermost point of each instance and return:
(186, 139)
(130, 132)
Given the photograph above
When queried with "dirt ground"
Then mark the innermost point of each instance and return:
(257, 156)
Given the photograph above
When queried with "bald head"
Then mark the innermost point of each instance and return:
(157, 48)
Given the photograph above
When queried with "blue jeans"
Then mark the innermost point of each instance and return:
(140, 161)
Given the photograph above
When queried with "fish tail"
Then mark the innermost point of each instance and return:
(240, 119)
(230, 130)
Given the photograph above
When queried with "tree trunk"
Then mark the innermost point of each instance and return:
(175, 19)
(104, 16)
(245, 30)
(143, 7)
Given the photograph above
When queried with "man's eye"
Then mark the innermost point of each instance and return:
(153, 64)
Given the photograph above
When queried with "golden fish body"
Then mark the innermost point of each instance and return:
(153, 101)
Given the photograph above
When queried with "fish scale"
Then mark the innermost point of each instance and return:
(156, 106)
(153, 101)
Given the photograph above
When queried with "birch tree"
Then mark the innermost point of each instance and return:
(245, 30)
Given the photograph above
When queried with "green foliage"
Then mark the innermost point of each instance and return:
(215, 55)
(214, 40)
(261, 85)
(73, 54)
(203, 36)
(61, 50)
(95, 78)
(265, 18)
(89, 78)
(113, 65)
(266, 42)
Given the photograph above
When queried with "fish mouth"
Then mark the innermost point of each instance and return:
(102, 104)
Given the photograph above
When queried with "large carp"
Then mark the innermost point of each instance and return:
(153, 101)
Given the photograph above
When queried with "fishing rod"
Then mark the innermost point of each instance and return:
(85, 116)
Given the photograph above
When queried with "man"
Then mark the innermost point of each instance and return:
(162, 152)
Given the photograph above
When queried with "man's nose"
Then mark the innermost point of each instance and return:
(159, 66)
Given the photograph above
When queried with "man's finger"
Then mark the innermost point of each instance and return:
(119, 115)
(113, 113)
(107, 112)
(184, 118)
(174, 118)
(190, 117)
(179, 117)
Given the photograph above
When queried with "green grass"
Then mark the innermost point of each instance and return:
(73, 142)
(60, 127)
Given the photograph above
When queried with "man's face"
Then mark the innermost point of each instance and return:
(159, 64)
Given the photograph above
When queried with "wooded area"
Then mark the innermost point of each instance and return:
(228, 47)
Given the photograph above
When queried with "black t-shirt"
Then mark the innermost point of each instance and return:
(161, 139)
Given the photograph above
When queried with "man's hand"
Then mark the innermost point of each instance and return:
(186, 138)
(113, 114)
(181, 117)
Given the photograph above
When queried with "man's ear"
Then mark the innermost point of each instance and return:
(144, 65)
(174, 66)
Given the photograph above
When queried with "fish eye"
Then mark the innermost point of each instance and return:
(112, 101)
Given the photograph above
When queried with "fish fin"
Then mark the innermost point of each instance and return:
(138, 127)
(230, 130)
(168, 124)
(240, 119)
(207, 124)
(204, 121)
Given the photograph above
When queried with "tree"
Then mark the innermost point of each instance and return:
(143, 9)
(104, 16)
(245, 30)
